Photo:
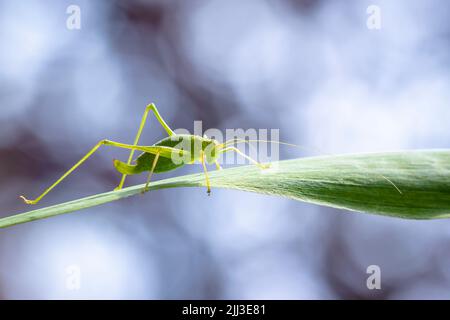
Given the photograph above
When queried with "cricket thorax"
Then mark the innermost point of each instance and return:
(196, 146)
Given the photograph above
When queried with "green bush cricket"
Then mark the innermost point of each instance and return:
(159, 157)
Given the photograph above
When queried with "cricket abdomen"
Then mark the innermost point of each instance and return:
(144, 163)
(190, 143)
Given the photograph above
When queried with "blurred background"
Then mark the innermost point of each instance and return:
(312, 69)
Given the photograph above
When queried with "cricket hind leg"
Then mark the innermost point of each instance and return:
(150, 107)
(90, 153)
(151, 149)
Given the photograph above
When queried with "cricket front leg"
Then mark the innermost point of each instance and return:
(236, 150)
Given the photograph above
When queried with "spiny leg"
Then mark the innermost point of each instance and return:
(208, 185)
(150, 107)
(164, 151)
(260, 165)
(151, 173)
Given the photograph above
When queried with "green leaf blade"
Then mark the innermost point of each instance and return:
(411, 185)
